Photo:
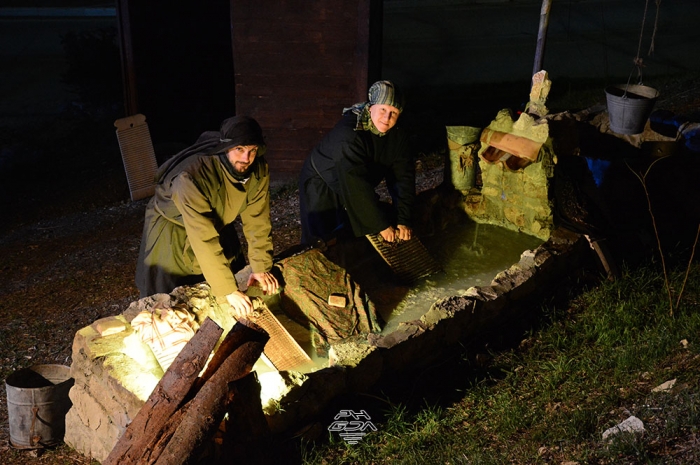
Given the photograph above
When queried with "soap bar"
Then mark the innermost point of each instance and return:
(336, 300)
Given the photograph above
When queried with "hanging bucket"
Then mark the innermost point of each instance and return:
(37, 403)
(629, 107)
(461, 142)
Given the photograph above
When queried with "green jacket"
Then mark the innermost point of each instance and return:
(189, 231)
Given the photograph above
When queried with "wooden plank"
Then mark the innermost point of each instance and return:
(409, 260)
(516, 145)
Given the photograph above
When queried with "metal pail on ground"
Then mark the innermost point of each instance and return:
(37, 403)
(629, 107)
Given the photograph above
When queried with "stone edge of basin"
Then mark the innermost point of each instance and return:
(358, 364)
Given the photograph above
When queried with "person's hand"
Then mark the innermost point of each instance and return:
(400, 233)
(241, 305)
(404, 232)
(389, 234)
(267, 282)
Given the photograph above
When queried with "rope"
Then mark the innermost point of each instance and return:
(638, 61)
(656, 26)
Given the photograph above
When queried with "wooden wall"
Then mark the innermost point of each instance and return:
(297, 63)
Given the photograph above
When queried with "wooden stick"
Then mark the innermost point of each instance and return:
(542, 35)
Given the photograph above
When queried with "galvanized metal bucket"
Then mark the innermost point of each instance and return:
(629, 107)
(37, 403)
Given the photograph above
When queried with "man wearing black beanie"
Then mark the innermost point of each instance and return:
(189, 233)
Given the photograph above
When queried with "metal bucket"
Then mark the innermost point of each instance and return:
(629, 107)
(37, 403)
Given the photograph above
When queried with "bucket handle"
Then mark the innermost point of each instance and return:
(34, 438)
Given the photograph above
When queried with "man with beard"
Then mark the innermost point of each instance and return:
(189, 233)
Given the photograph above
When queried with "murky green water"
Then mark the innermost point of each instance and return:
(469, 254)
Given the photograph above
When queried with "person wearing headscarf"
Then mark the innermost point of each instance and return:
(189, 235)
(338, 179)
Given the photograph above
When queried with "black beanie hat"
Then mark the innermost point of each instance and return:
(240, 130)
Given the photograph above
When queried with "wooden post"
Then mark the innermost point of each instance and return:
(166, 398)
(542, 35)
(241, 332)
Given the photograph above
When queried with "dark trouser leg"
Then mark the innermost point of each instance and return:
(321, 211)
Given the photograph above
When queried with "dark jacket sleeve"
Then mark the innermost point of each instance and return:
(401, 180)
(352, 163)
(356, 188)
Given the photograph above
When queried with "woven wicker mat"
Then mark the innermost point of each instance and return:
(282, 350)
(409, 259)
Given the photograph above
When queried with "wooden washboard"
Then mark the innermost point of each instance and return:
(409, 260)
(138, 155)
(282, 350)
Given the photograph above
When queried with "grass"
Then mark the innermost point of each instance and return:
(592, 364)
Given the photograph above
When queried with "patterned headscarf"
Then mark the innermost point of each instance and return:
(380, 93)
(386, 93)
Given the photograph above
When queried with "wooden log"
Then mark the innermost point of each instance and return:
(234, 339)
(517, 145)
(247, 437)
(240, 333)
(206, 411)
(166, 398)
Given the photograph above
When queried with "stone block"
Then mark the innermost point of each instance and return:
(515, 217)
(83, 439)
(88, 427)
(363, 363)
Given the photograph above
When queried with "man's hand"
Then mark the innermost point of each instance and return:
(241, 305)
(401, 232)
(267, 282)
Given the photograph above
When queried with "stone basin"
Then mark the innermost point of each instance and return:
(115, 372)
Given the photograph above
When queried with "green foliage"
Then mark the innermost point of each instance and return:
(593, 365)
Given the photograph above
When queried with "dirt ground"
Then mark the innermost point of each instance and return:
(69, 241)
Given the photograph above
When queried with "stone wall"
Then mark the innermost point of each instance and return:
(114, 372)
(516, 199)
